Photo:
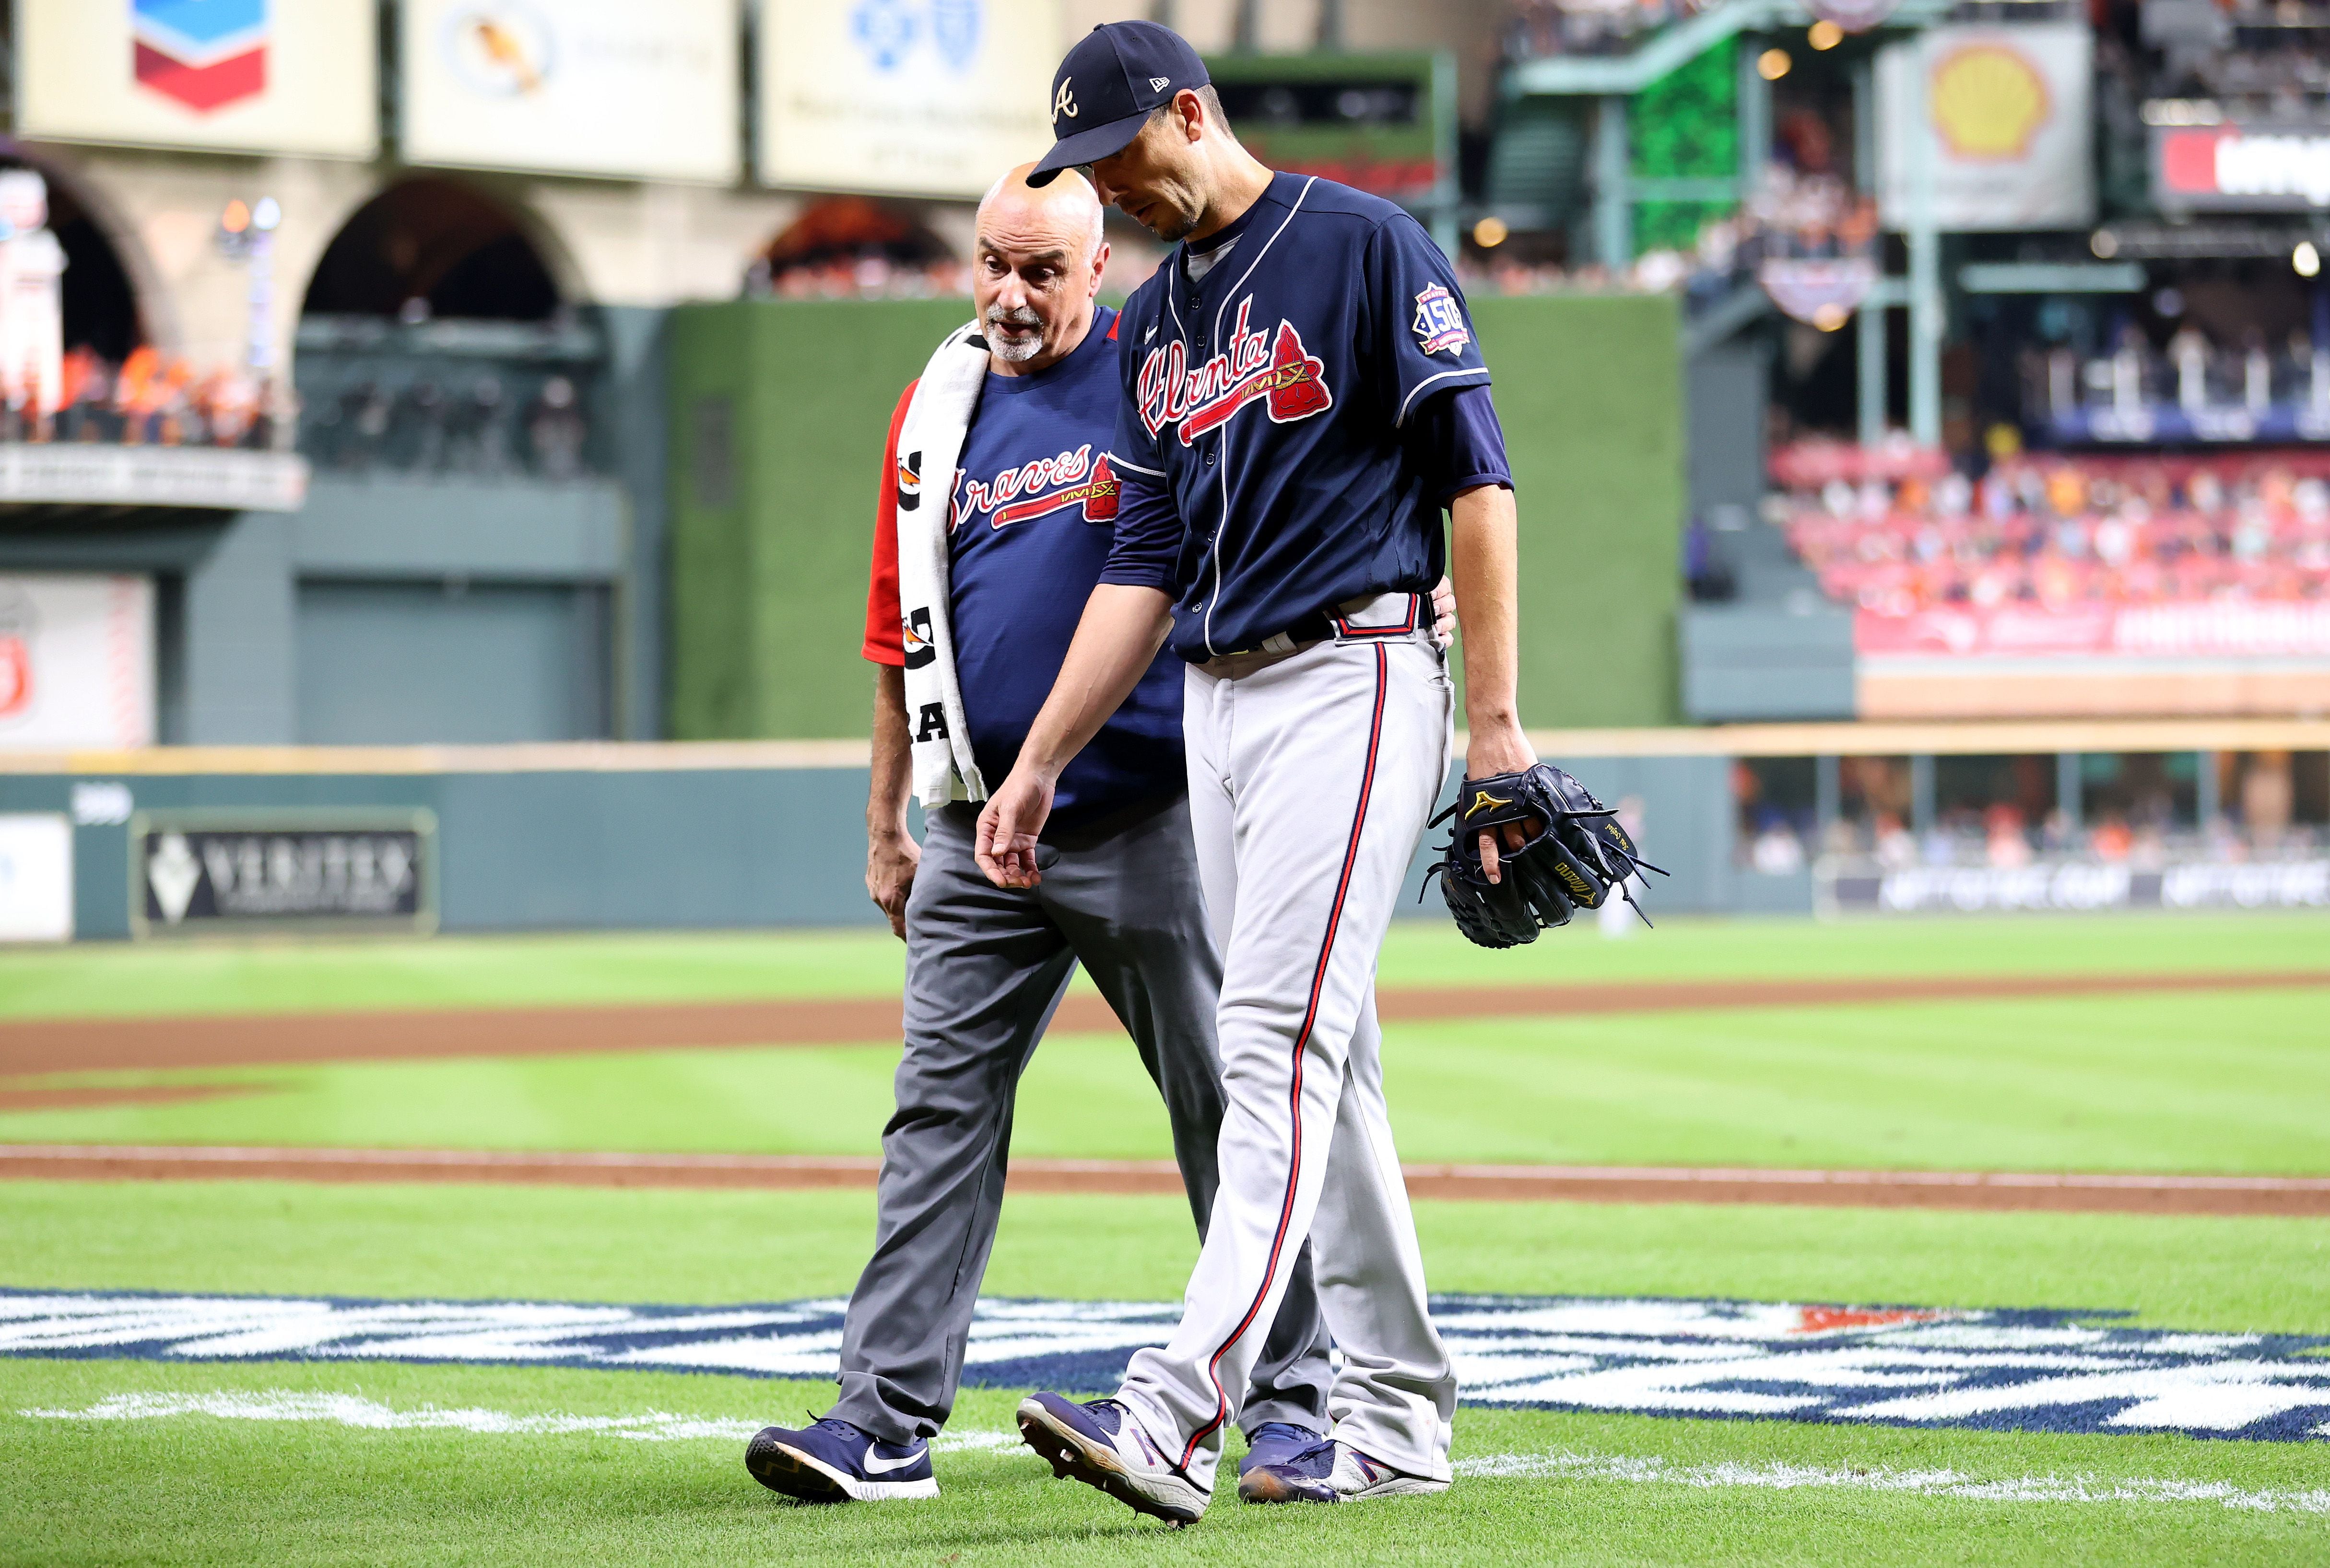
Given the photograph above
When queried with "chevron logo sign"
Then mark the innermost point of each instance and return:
(202, 53)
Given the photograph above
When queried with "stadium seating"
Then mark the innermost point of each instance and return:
(1894, 531)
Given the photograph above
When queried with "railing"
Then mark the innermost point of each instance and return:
(484, 399)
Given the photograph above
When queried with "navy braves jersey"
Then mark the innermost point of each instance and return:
(1271, 398)
(1034, 511)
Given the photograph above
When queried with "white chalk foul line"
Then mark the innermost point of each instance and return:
(1783, 1478)
(662, 1426)
(654, 1426)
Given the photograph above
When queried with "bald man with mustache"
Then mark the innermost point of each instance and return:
(1030, 523)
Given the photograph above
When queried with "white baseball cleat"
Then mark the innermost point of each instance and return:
(1101, 1445)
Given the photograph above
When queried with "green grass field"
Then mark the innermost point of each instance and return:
(2200, 1080)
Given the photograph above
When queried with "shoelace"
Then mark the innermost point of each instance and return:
(1313, 1443)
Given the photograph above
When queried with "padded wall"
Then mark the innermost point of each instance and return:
(777, 417)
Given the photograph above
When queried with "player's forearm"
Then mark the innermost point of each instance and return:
(894, 766)
(1483, 561)
(1115, 642)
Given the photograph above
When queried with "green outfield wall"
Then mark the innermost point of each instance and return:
(778, 413)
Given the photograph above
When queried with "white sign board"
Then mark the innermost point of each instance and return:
(76, 662)
(583, 87)
(2001, 120)
(913, 97)
(36, 879)
(261, 76)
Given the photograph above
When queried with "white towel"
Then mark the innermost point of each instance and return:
(929, 446)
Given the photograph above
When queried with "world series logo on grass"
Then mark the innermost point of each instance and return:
(2028, 1370)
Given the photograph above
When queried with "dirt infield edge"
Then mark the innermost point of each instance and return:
(1992, 1190)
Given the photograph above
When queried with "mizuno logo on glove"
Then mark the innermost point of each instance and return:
(1483, 798)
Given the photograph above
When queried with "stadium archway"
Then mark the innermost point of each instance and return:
(443, 243)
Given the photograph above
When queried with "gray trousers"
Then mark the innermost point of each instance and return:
(986, 966)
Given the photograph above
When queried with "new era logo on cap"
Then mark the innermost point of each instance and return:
(1116, 76)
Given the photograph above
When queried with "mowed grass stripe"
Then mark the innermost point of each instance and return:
(2230, 1084)
(455, 972)
(205, 1491)
(35, 1046)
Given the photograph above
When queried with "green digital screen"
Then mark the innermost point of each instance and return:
(1370, 121)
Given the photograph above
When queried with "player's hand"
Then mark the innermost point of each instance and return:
(1008, 825)
(1444, 613)
(891, 859)
(1493, 750)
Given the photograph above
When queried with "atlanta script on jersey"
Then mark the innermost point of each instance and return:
(1260, 439)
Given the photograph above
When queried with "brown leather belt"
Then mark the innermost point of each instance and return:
(1310, 632)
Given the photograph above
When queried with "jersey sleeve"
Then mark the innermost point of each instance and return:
(1423, 331)
(884, 638)
(1147, 551)
(1458, 442)
(1135, 448)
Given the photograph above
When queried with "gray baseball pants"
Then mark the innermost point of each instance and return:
(986, 966)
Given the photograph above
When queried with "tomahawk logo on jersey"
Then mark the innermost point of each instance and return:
(1333, 313)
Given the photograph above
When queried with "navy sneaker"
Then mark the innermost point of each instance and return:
(1100, 1445)
(1334, 1472)
(833, 1462)
(1287, 1464)
(1277, 1442)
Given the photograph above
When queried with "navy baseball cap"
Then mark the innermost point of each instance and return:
(1110, 84)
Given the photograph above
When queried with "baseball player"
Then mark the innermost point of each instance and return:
(997, 513)
(1302, 396)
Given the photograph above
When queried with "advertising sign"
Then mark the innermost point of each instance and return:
(2197, 629)
(259, 76)
(2006, 134)
(1857, 887)
(76, 662)
(196, 872)
(36, 878)
(2242, 168)
(1369, 120)
(584, 87)
(914, 96)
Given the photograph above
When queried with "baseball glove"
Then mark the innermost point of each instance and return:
(1574, 855)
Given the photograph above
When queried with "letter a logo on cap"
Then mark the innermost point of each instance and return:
(1064, 105)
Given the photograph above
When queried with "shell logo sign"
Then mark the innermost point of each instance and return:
(1988, 102)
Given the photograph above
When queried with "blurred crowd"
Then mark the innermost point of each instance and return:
(2140, 811)
(871, 276)
(484, 425)
(2059, 531)
(147, 400)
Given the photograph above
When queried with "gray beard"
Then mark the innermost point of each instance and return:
(1014, 350)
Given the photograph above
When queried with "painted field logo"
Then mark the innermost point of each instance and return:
(205, 53)
(2001, 1370)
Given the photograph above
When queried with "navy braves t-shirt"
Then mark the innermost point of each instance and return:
(1033, 521)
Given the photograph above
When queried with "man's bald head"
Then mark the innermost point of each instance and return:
(1037, 267)
(1067, 206)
